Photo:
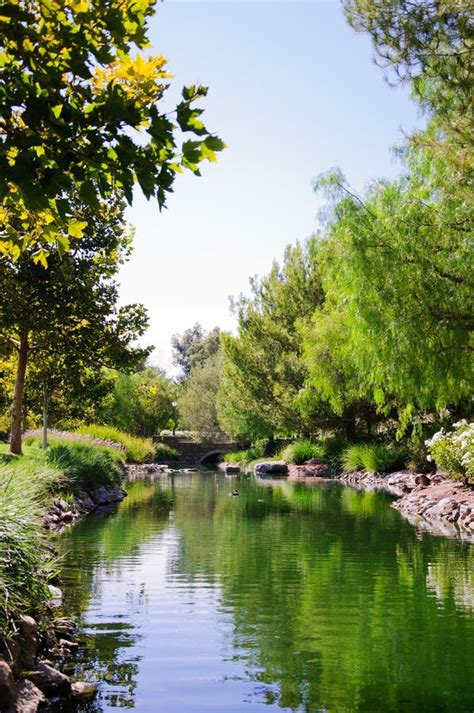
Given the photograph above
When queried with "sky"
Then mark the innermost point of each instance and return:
(293, 92)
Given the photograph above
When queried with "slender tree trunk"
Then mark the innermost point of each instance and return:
(17, 408)
(45, 414)
(349, 423)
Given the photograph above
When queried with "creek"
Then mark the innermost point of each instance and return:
(285, 597)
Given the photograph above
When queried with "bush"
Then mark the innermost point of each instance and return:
(137, 450)
(373, 457)
(165, 452)
(301, 451)
(86, 467)
(453, 451)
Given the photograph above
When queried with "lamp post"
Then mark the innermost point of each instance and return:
(174, 404)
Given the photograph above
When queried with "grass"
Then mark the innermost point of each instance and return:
(137, 450)
(26, 563)
(299, 452)
(373, 457)
(85, 466)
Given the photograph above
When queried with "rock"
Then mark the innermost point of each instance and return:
(56, 596)
(29, 697)
(29, 642)
(85, 502)
(68, 646)
(83, 690)
(49, 679)
(101, 495)
(64, 629)
(7, 685)
(276, 467)
(316, 461)
(62, 505)
(422, 480)
(232, 469)
(67, 516)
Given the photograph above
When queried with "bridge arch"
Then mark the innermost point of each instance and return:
(211, 455)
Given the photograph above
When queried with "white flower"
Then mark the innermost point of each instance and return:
(429, 458)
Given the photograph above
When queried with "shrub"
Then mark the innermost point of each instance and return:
(373, 457)
(137, 450)
(165, 452)
(301, 451)
(85, 466)
(453, 451)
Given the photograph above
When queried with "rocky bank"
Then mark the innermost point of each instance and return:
(433, 503)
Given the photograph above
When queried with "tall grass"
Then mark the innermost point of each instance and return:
(373, 457)
(25, 559)
(137, 450)
(85, 466)
(301, 451)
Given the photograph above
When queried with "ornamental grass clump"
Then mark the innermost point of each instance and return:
(137, 450)
(453, 451)
(299, 452)
(373, 458)
(26, 563)
(86, 467)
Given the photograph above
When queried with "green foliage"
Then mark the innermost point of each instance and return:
(197, 399)
(66, 319)
(262, 370)
(373, 457)
(140, 403)
(102, 129)
(137, 450)
(165, 452)
(301, 451)
(453, 450)
(86, 467)
(194, 347)
(428, 44)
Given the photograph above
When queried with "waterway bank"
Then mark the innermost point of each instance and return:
(433, 503)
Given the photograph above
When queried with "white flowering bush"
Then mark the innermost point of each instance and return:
(453, 451)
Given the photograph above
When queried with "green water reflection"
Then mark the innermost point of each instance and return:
(286, 597)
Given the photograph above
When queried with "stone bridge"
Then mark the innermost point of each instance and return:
(194, 453)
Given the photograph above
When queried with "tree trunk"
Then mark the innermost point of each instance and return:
(17, 408)
(45, 415)
(349, 423)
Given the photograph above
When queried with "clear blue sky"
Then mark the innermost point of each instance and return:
(293, 91)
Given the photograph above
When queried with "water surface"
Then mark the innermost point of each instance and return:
(284, 598)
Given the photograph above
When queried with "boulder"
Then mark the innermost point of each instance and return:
(83, 690)
(7, 685)
(232, 469)
(276, 467)
(49, 679)
(29, 697)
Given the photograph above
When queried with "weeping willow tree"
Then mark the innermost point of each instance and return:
(398, 275)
